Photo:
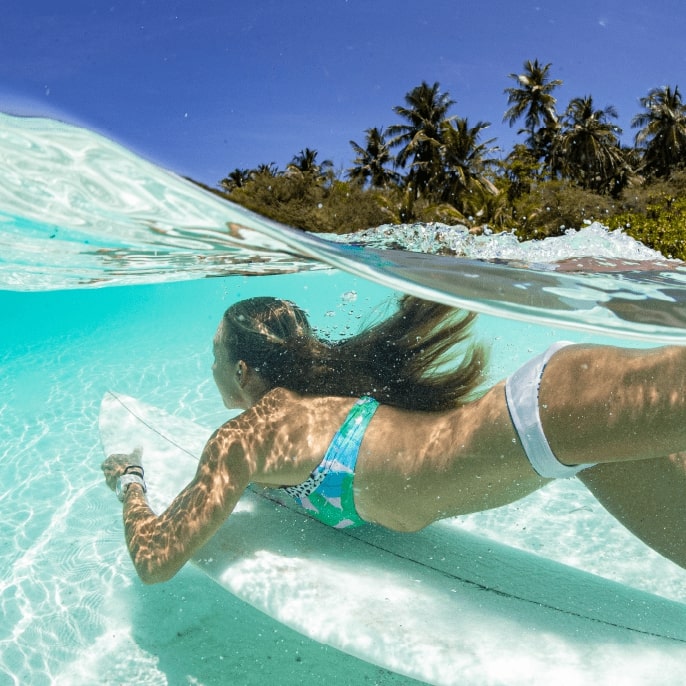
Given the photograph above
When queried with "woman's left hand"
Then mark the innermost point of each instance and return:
(113, 467)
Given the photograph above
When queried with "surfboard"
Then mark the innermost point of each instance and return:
(442, 605)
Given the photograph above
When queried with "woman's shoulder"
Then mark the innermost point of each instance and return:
(289, 433)
(283, 410)
(282, 404)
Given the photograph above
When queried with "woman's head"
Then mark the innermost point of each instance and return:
(421, 357)
(264, 336)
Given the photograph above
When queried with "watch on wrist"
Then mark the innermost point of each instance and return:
(124, 481)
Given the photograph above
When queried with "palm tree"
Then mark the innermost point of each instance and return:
(235, 179)
(465, 161)
(305, 162)
(420, 137)
(371, 161)
(265, 170)
(662, 134)
(532, 99)
(521, 168)
(587, 148)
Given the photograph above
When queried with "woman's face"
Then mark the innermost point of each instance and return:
(226, 373)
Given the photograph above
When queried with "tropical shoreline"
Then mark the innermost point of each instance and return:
(434, 167)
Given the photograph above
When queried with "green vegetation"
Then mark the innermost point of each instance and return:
(657, 217)
(434, 166)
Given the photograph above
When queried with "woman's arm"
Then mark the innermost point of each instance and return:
(160, 545)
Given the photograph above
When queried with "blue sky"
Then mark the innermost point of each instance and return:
(204, 86)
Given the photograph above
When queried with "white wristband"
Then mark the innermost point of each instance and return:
(124, 481)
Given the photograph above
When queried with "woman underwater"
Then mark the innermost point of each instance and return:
(386, 408)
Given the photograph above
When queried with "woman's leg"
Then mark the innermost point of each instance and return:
(603, 404)
(648, 497)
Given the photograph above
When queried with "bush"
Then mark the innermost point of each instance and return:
(348, 207)
(654, 213)
(661, 225)
(307, 202)
(551, 207)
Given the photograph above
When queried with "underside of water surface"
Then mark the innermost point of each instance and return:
(79, 211)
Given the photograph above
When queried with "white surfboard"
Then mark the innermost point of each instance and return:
(442, 606)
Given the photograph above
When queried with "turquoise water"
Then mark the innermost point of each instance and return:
(74, 611)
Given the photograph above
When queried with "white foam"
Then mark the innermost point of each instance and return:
(591, 240)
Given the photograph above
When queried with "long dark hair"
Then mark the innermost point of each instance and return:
(421, 357)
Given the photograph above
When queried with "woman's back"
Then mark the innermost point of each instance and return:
(413, 467)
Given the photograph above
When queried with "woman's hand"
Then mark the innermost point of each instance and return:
(161, 544)
(113, 467)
